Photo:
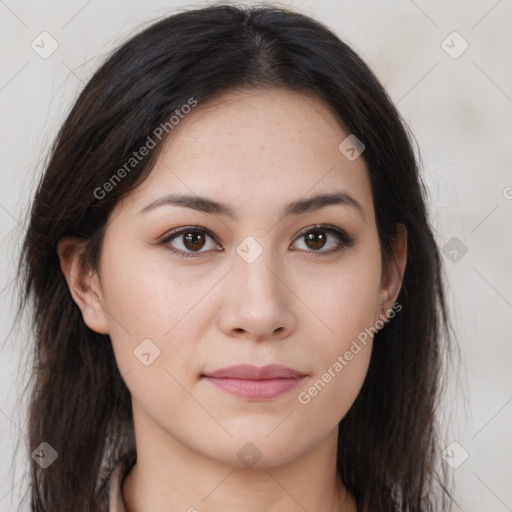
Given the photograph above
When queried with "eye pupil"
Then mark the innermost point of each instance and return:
(191, 238)
(317, 238)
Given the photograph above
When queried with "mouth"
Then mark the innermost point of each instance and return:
(251, 382)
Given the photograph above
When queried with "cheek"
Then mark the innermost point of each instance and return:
(330, 394)
(347, 306)
(345, 297)
(154, 318)
(343, 354)
(150, 296)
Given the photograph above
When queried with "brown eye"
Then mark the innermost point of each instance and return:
(188, 241)
(194, 240)
(326, 237)
(315, 239)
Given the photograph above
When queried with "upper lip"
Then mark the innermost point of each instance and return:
(251, 372)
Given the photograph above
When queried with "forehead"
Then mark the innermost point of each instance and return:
(266, 146)
(258, 122)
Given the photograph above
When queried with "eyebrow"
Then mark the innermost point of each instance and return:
(300, 206)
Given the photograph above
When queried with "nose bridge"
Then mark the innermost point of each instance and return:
(255, 299)
(253, 265)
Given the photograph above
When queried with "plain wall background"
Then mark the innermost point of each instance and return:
(459, 108)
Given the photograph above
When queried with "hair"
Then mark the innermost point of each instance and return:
(79, 404)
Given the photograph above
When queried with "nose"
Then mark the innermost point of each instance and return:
(257, 301)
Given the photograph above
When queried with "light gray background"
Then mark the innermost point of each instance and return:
(459, 110)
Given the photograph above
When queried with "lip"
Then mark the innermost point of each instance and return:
(252, 382)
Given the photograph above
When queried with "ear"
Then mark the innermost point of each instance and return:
(391, 281)
(83, 284)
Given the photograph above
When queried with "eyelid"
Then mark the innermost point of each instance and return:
(176, 233)
(344, 239)
(327, 227)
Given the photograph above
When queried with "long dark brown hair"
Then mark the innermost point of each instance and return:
(388, 449)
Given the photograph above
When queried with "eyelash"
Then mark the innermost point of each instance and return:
(344, 239)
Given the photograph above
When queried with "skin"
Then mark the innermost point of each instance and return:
(256, 151)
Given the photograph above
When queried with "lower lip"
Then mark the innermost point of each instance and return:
(255, 389)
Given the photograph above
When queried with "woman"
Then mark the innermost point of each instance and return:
(238, 299)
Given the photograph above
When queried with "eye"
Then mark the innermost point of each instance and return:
(191, 239)
(317, 237)
(188, 242)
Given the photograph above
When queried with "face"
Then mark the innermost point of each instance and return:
(190, 288)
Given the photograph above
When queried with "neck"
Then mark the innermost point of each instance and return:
(170, 476)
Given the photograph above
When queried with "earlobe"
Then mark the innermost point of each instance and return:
(83, 284)
(392, 280)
